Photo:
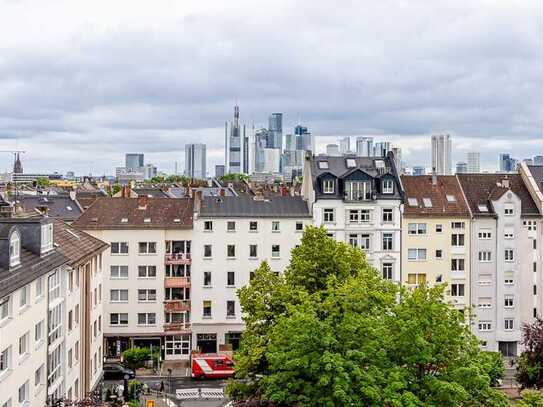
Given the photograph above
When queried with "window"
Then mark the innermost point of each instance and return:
(508, 301)
(323, 165)
(360, 240)
(412, 201)
(230, 308)
(509, 277)
(485, 234)
(275, 226)
(534, 267)
(5, 308)
(39, 287)
(388, 186)
(358, 190)
(253, 251)
(359, 215)
(5, 360)
(207, 309)
(439, 254)
(23, 297)
(457, 239)
(23, 393)
(387, 271)
(147, 295)
(387, 215)
(231, 226)
(38, 331)
(458, 265)
(39, 376)
(14, 249)
(70, 352)
(509, 210)
(119, 247)
(118, 271)
(350, 162)
(413, 278)
(427, 202)
(416, 228)
(457, 290)
(451, 198)
(207, 250)
(23, 344)
(484, 302)
(439, 228)
(534, 244)
(328, 215)
(118, 319)
(76, 346)
(230, 278)
(485, 256)
(231, 250)
(509, 324)
(535, 289)
(70, 281)
(482, 208)
(146, 271)
(484, 325)
(118, 295)
(328, 186)
(299, 226)
(208, 226)
(508, 234)
(416, 254)
(485, 279)
(146, 318)
(70, 320)
(147, 247)
(207, 278)
(253, 226)
(387, 241)
(458, 225)
(276, 250)
(509, 255)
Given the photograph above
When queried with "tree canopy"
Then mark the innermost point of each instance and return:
(331, 332)
(530, 362)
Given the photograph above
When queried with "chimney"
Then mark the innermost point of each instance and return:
(221, 192)
(505, 183)
(142, 202)
(259, 195)
(198, 201)
(434, 176)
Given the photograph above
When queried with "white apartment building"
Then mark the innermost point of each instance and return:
(441, 154)
(232, 237)
(505, 259)
(358, 201)
(147, 272)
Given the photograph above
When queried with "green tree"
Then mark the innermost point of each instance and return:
(136, 357)
(494, 365)
(42, 182)
(531, 398)
(530, 363)
(332, 332)
(114, 189)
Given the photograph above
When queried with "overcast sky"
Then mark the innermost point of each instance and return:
(83, 82)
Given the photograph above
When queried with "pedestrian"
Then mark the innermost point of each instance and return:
(162, 386)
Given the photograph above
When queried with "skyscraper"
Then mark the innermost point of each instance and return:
(304, 139)
(538, 160)
(276, 131)
(219, 170)
(507, 163)
(236, 145)
(462, 167)
(441, 154)
(195, 160)
(345, 145)
(364, 146)
(473, 165)
(381, 149)
(134, 161)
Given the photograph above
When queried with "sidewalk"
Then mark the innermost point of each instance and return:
(178, 369)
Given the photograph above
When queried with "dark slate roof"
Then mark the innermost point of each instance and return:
(178, 192)
(151, 192)
(480, 189)
(248, 207)
(537, 173)
(75, 244)
(164, 213)
(58, 206)
(420, 187)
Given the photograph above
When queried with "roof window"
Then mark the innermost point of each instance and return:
(124, 220)
(427, 202)
(323, 165)
(351, 163)
(412, 201)
(451, 198)
(146, 220)
(482, 208)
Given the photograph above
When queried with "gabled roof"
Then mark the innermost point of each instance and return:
(420, 187)
(58, 206)
(75, 244)
(137, 213)
(480, 189)
(248, 207)
(151, 192)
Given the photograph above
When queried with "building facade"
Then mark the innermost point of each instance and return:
(195, 161)
(441, 154)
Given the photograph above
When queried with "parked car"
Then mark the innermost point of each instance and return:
(116, 371)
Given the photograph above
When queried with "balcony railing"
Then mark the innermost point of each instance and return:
(176, 305)
(176, 282)
(177, 327)
(177, 258)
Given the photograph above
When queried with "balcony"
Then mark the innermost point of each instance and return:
(176, 282)
(177, 258)
(176, 305)
(177, 328)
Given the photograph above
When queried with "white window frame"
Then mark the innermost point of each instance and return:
(328, 186)
(388, 186)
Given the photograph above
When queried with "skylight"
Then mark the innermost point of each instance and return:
(379, 164)
(351, 163)
(124, 220)
(323, 165)
(451, 198)
(482, 208)
(147, 220)
(69, 207)
(412, 201)
(427, 202)
(177, 220)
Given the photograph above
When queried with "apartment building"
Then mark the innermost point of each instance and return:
(436, 236)
(505, 259)
(147, 272)
(358, 201)
(232, 237)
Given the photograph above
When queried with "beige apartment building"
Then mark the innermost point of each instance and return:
(436, 236)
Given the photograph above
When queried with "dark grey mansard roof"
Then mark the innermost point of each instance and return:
(248, 207)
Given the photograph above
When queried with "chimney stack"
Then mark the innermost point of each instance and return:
(198, 201)
(434, 176)
(221, 192)
(142, 202)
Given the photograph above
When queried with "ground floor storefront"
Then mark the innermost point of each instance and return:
(170, 346)
(213, 338)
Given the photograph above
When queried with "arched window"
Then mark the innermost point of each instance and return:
(14, 249)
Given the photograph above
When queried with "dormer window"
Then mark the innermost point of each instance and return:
(14, 250)
(328, 186)
(357, 190)
(388, 186)
(46, 237)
